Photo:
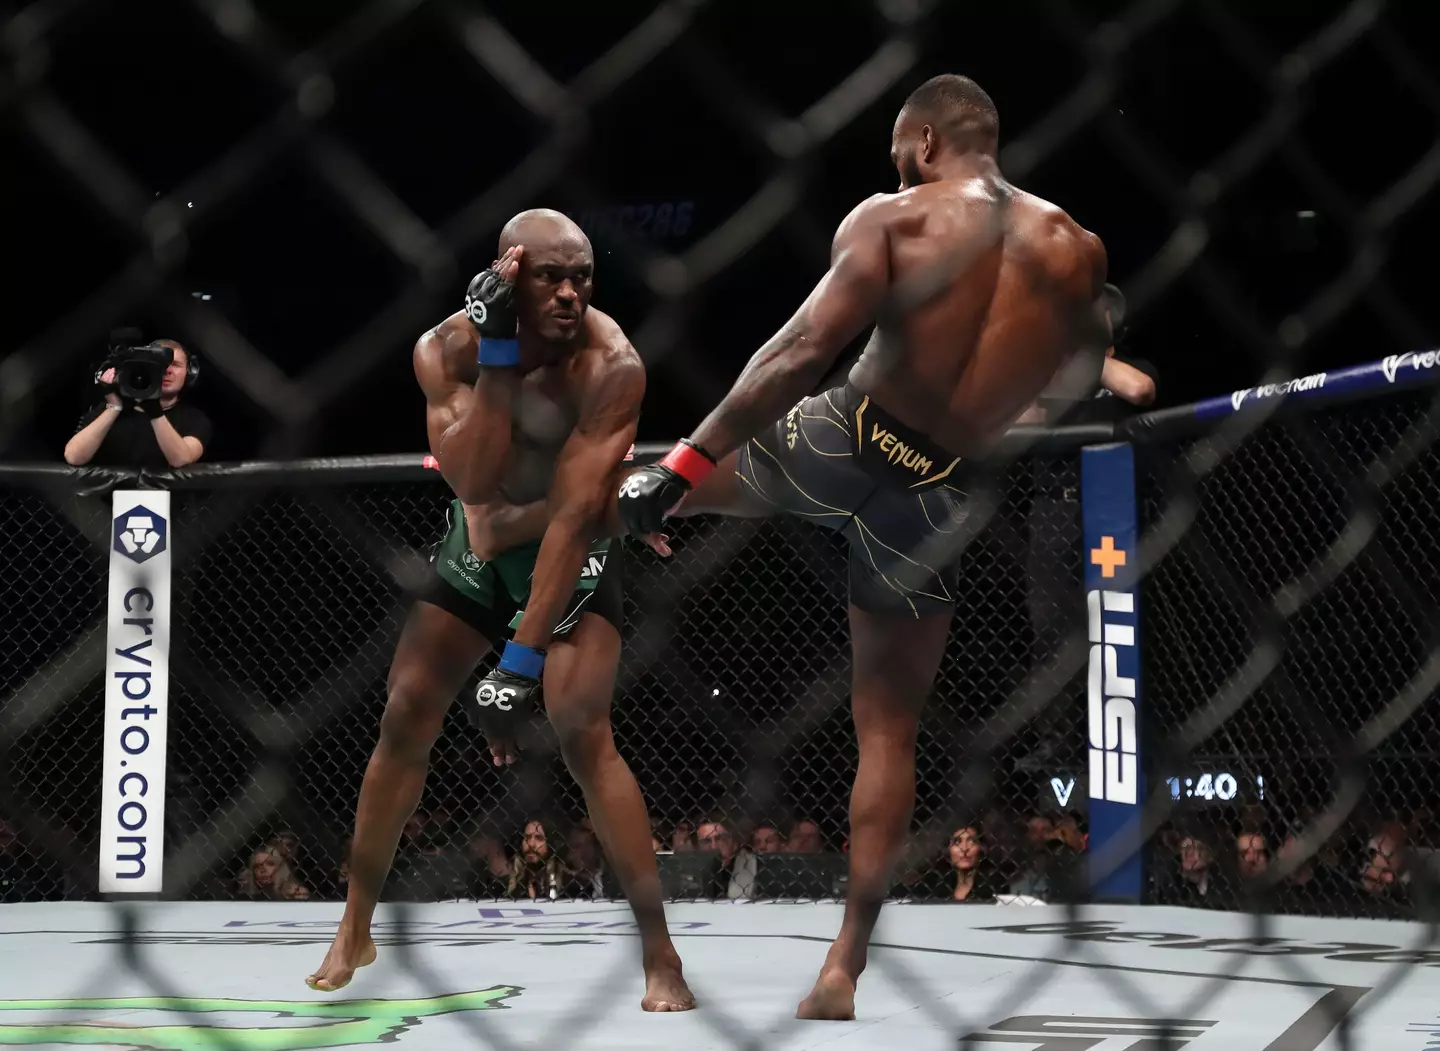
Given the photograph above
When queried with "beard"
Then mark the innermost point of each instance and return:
(909, 170)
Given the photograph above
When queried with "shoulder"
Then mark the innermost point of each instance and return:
(436, 350)
(609, 360)
(1072, 255)
(873, 213)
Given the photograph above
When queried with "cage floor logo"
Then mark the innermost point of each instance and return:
(323, 1024)
(139, 533)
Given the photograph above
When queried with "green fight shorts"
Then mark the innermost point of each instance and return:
(491, 596)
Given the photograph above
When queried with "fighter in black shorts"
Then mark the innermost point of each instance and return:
(982, 297)
(532, 400)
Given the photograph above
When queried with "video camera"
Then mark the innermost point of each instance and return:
(139, 371)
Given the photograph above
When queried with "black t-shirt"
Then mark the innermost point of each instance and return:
(131, 440)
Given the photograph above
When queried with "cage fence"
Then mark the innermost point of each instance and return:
(1291, 643)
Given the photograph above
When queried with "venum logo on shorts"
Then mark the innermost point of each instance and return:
(1110, 689)
(1271, 390)
(897, 451)
(1393, 363)
(140, 534)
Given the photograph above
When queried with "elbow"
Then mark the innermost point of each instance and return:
(73, 457)
(1145, 392)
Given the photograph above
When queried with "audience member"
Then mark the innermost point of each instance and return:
(766, 839)
(490, 866)
(586, 864)
(967, 858)
(1252, 855)
(268, 877)
(804, 838)
(682, 839)
(735, 875)
(537, 872)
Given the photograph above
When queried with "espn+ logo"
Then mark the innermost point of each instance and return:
(1110, 687)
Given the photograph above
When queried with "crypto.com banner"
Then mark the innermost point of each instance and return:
(137, 688)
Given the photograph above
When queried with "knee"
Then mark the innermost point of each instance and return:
(412, 719)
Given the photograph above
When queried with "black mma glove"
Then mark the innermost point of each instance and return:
(505, 699)
(490, 306)
(651, 493)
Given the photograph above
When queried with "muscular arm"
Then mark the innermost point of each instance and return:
(586, 477)
(468, 427)
(847, 299)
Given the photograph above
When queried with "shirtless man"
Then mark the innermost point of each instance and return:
(531, 406)
(983, 297)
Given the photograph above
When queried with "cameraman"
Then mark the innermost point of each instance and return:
(153, 432)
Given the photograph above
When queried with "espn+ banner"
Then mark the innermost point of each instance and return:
(1112, 689)
(137, 686)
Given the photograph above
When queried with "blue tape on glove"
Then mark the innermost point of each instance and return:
(499, 352)
(522, 660)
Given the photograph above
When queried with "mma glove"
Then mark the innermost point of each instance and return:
(490, 306)
(506, 698)
(652, 492)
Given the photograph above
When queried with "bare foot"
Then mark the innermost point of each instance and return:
(348, 953)
(665, 989)
(832, 999)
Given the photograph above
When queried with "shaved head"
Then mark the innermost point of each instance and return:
(557, 266)
(543, 228)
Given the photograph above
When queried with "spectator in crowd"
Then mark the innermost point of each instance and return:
(1252, 855)
(967, 859)
(1038, 829)
(917, 874)
(804, 838)
(682, 839)
(735, 875)
(166, 431)
(766, 839)
(490, 867)
(537, 872)
(268, 877)
(586, 864)
(1313, 885)
(1198, 883)
(1385, 877)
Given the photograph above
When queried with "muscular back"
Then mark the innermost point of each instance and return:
(995, 291)
(547, 405)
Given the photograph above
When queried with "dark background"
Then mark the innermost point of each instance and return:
(299, 274)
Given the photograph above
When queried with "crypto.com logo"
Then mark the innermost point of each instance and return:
(139, 533)
(327, 1023)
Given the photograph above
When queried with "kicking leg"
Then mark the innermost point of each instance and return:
(724, 492)
(436, 653)
(896, 658)
(579, 688)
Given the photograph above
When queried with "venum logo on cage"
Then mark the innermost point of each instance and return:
(1110, 690)
(1272, 390)
(1392, 364)
(1081, 1033)
(140, 534)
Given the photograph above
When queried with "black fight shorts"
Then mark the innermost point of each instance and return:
(841, 462)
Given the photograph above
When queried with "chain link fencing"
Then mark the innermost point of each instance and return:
(1290, 639)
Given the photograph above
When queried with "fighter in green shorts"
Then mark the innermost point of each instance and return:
(490, 595)
(532, 400)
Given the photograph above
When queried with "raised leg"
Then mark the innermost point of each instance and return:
(579, 686)
(436, 653)
(896, 659)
